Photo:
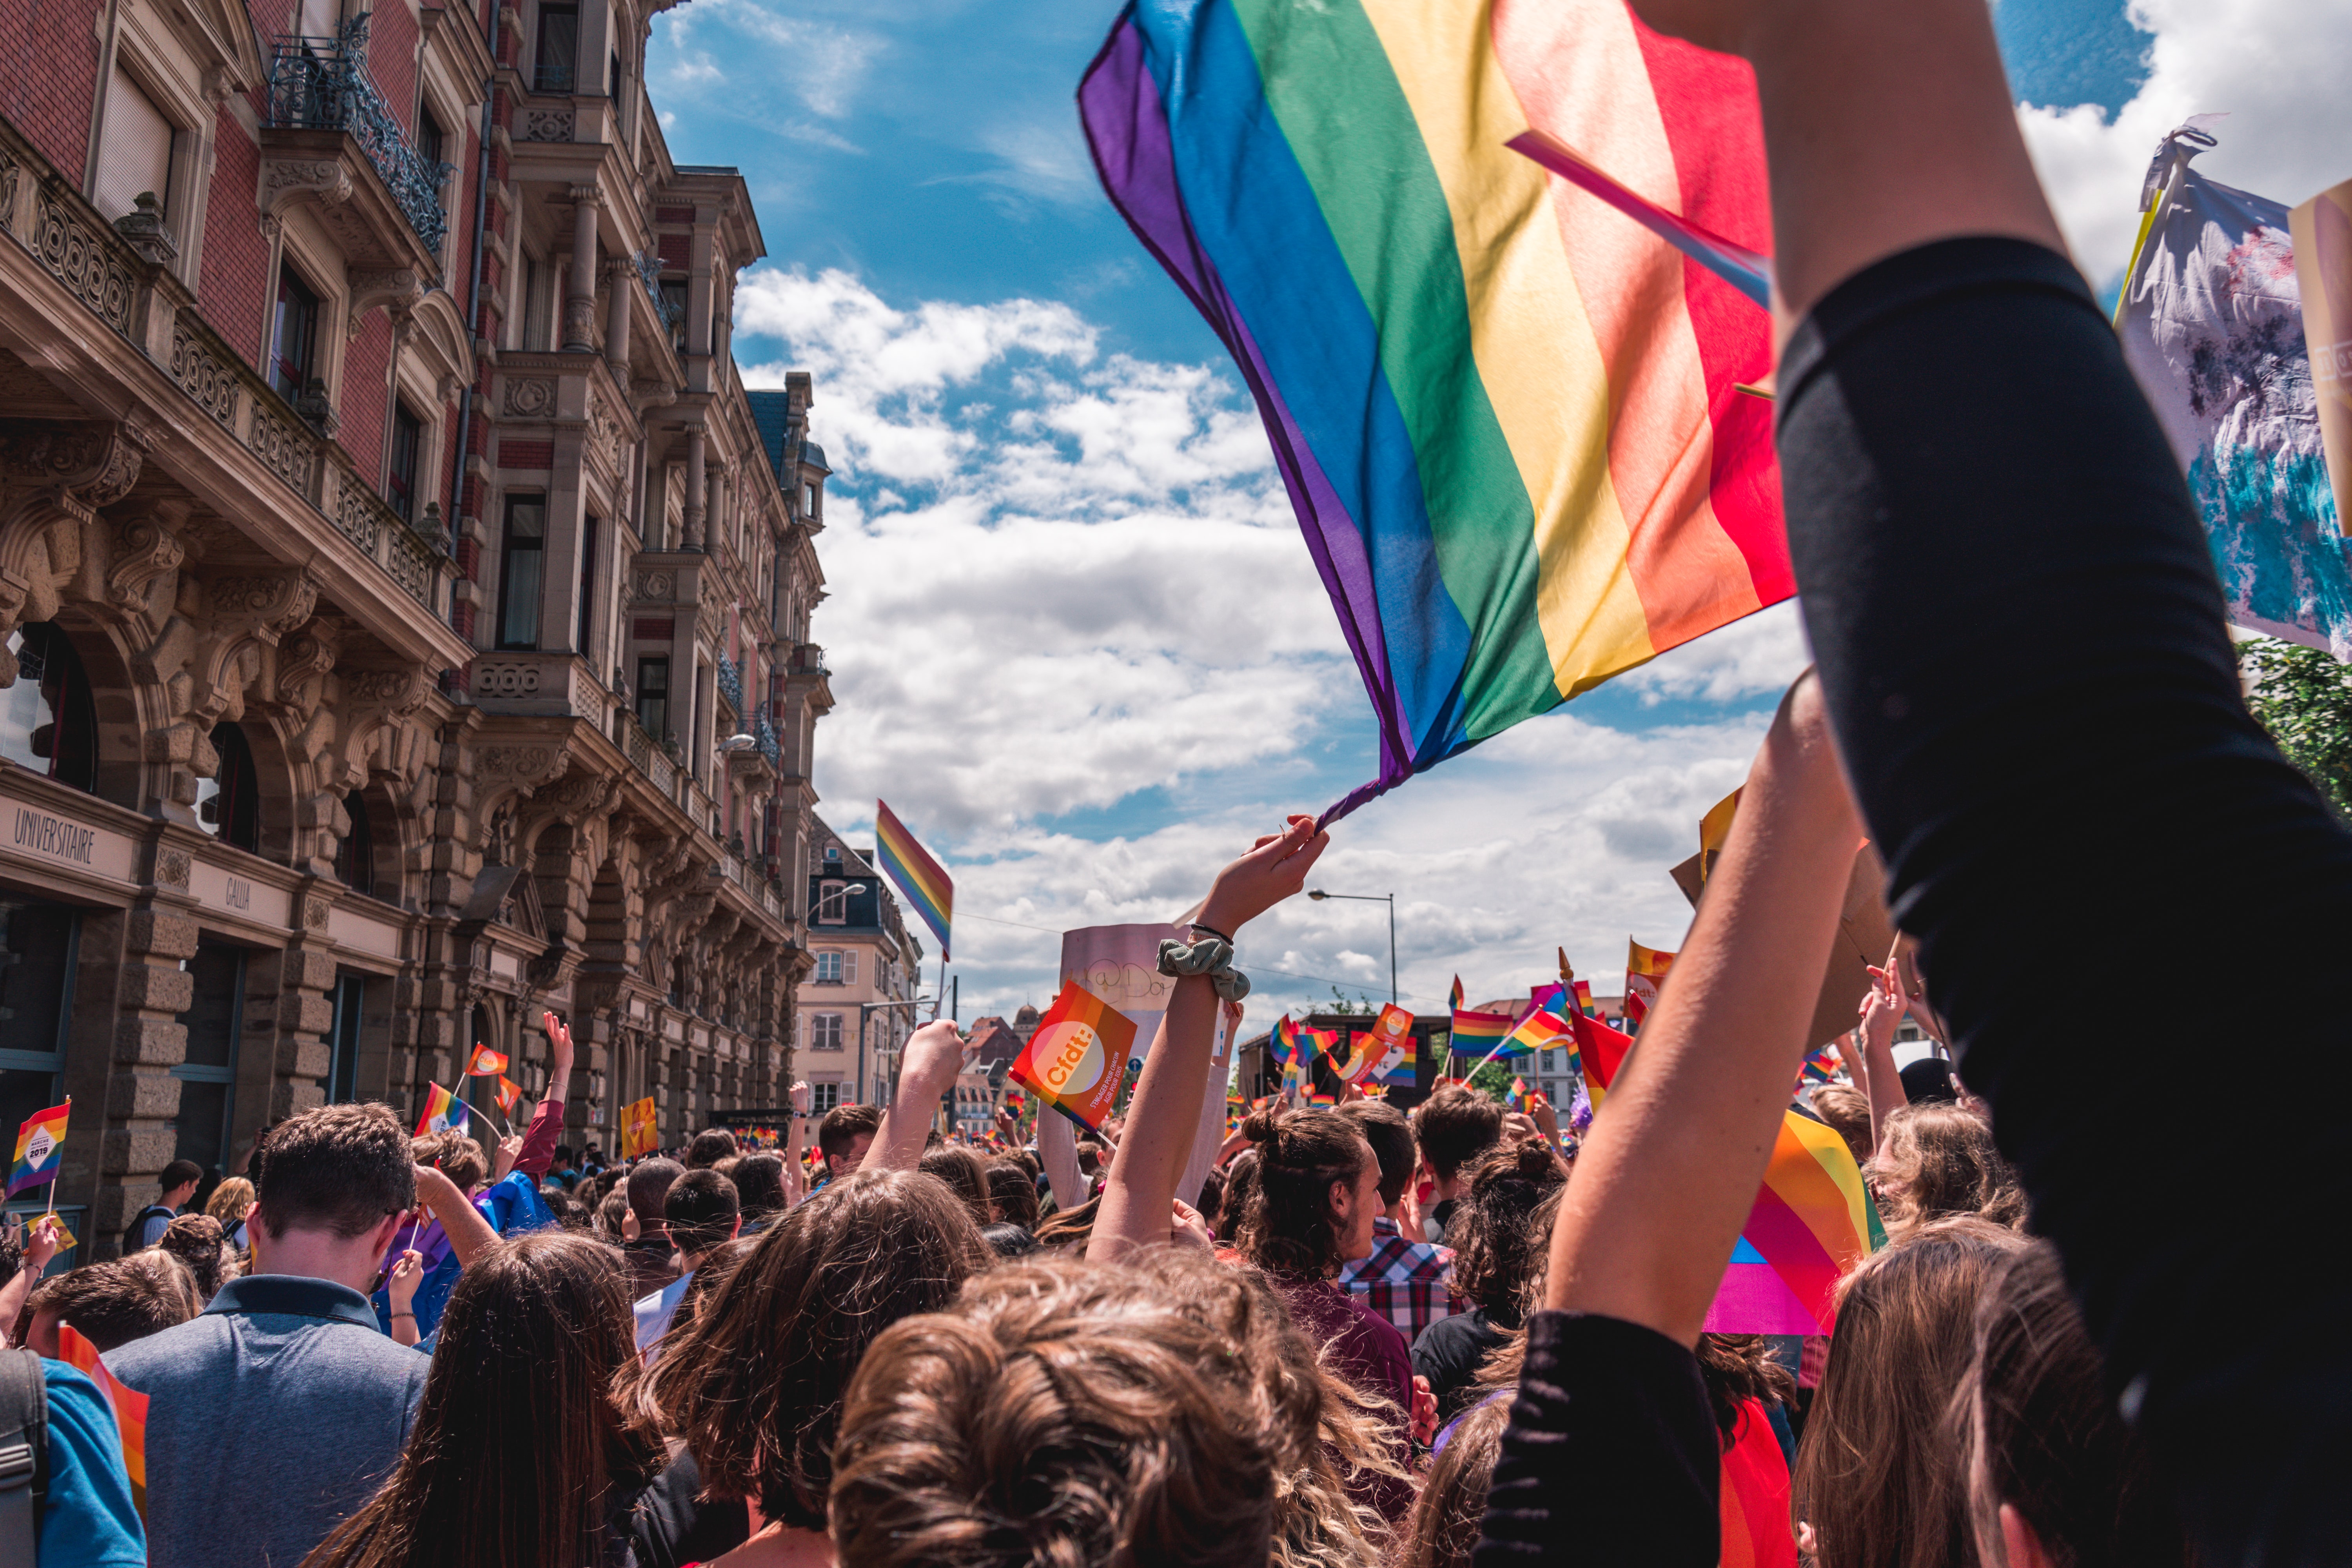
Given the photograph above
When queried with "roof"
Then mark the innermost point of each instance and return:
(997, 1044)
(813, 456)
(771, 411)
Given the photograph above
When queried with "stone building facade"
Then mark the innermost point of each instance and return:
(405, 605)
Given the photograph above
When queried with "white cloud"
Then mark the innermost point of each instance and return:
(2278, 67)
(820, 64)
(1762, 653)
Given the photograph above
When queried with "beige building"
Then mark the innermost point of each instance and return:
(858, 1002)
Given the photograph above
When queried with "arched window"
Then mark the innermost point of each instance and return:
(48, 721)
(355, 856)
(228, 803)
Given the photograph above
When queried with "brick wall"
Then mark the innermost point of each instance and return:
(233, 280)
(360, 400)
(48, 75)
(393, 39)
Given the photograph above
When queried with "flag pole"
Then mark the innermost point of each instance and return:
(61, 1165)
(1489, 1057)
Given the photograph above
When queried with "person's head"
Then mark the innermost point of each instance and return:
(845, 1135)
(1013, 1191)
(1928, 1080)
(1068, 1230)
(966, 1173)
(1319, 1191)
(611, 1214)
(711, 1145)
(1495, 1243)
(1163, 1411)
(456, 1156)
(198, 1241)
(229, 1200)
(1090, 1158)
(754, 1382)
(331, 1185)
(114, 1303)
(1008, 1240)
(1879, 1477)
(1241, 1191)
(1737, 1369)
(516, 1447)
(1211, 1200)
(1455, 1126)
(2057, 1479)
(1938, 1160)
(562, 1156)
(179, 1182)
(1846, 1110)
(1443, 1526)
(648, 1183)
(702, 1212)
(1391, 1136)
(759, 1185)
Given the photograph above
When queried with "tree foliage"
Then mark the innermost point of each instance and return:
(2303, 696)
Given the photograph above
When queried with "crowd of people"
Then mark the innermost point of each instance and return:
(1367, 1337)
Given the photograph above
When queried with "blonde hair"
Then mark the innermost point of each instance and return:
(229, 1200)
(1935, 1161)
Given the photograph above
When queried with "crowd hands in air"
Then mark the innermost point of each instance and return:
(1364, 1337)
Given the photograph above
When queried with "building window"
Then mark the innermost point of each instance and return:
(400, 482)
(355, 855)
(653, 694)
(208, 1073)
(559, 46)
(294, 339)
(343, 1039)
(673, 304)
(828, 968)
(521, 559)
(135, 156)
(538, 305)
(832, 904)
(587, 580)
(228, 803)
(825, 1031)
(48, 720)
(823, 1097)
(430, 138)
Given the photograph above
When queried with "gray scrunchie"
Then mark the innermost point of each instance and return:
(1211, 956)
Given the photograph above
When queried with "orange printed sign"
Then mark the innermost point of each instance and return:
(637, 1133)
(1076, 1060)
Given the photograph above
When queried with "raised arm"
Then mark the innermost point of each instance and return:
(1058, 1151)
(1882, 1010)
(1163, 1119)
(934, 1055)
(795, 1140)
(546, 1128)
(470, 1236)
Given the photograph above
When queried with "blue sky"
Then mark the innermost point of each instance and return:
(1075, 639)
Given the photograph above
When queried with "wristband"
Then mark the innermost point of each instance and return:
(404, 1314)
(1222, 936)
(1212, 959)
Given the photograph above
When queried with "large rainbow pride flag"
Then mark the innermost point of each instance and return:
(1504, 409)
(1812, 1220)
(922, 878)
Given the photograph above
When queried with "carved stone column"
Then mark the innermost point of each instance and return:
(697, 487)
(622, 272)
(580, 301)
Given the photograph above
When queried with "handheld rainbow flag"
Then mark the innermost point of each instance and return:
(1600, 1055)
(442, 1111)
(1821, 1066)
(1474, 1033)
(487, 1063)
(128, 1405)
(1317, 1096)
(1584, 999)
(920, 876)
(38, 1144)
(1293, 1081)
(1538, 1031)
(1323, 1044)
(1516, 1099)
(1504, 408)
(1812, 1220)
(509, 1096)
(1283, 1040)
(1644, 968)
(639, 1134)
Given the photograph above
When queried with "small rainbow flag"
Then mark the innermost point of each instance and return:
(38, 1142)
(1644, 968)
(1821, 1065)
(1600, 1055)
(1283, 1040)
(1317, 1096)
(442, 1111)
(920, 876)
(129, 1405)
(1476, 1033)
(1812, 1220)
(1584, 999)
(1518, 1098)
(1453, 998)
(1323, 1044)
(1539, 1030)
(487, 1063)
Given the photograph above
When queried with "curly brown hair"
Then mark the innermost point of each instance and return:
(754, 1382)
(1164, 1411)
(1938, 1159)
(1287, 1228)
(1493, 1232)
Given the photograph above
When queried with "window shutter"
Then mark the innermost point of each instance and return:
(850, 966)
(137, 154)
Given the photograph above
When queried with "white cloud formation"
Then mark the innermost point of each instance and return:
(1762, 653)
(2278, 67)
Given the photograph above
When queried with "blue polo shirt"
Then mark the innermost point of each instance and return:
(271, 1418)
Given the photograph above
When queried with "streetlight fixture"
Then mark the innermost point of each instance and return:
(1319, 895)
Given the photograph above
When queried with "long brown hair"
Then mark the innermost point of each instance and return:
(753, 1383)
(517, 1454)
(1495, 1243)
(1446, 1517)
(1879, 1471)
(1287, 1228)
(1938, 1159)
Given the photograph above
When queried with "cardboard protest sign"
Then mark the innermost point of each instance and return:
(1865, 934)
(1073, 1060)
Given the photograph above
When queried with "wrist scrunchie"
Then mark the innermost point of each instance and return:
(1210, 956)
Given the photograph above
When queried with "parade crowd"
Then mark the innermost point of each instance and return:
(1370, 1337)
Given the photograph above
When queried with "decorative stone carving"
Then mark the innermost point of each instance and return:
(395, 287)
(172, 868)
(286, 180)
(530, 397)
(53, 478)
(547, 125)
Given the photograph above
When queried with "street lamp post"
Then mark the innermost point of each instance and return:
(1319, 895)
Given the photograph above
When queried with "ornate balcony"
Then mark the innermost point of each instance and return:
(322, 84)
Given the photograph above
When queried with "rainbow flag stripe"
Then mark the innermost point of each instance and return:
(1476, 1033)
(39, 1144)
(1283, 1040)
(1404, 1072)
(1539, 1030)
(1504, 411)
(920, 878)
(1812, 1220)
(442, 1112)
(130, 1407)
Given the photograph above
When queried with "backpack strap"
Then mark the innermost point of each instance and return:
(23, 1456)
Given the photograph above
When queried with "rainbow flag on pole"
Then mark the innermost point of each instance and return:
(1503, 405)
(1812, 1221)
(1476, 1033)
(1283, 1041)
(129, 1405)
(38, 1144)
(1538, 1031)
(920, 876)
(442, 1112)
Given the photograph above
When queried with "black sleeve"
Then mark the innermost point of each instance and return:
(2020, 632)
(669, 1528)
(1611, 1457)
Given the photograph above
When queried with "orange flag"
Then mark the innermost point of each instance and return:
(487, 1063)
(130, 1407)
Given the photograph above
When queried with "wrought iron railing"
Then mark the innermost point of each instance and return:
(730, 684)
(322, 84)
(765, 733)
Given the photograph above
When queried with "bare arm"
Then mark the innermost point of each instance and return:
(1163, 1119)
(546, 1126)
(40, 1247)
(935, 1054)
(1671, 1169)
(470, 1236)
(1058, 1151)
(1882, 1010)
(795, 1182)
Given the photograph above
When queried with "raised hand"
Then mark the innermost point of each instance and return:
(800, 1094)
(559, 1042)
(1274, 869)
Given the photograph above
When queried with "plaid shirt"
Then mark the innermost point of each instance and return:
(1410, 1283)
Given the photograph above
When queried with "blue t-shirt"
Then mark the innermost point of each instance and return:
(512, 1207)
(88, 1518)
